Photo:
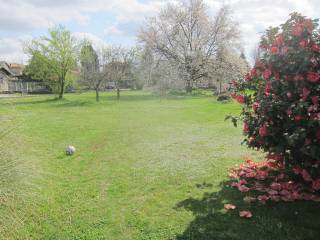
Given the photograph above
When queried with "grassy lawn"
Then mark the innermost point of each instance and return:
(145, 168)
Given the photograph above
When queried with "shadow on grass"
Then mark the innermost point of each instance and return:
(148, 97)
(74, 103)
(32, 101)
(298, 220)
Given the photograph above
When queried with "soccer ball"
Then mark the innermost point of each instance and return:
(70, 150)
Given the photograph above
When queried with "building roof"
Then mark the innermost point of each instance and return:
(17, 68)
(5, 67)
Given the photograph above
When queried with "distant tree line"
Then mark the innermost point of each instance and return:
(177, 49)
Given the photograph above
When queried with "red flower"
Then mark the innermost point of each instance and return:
(307, 141)
(279, 40)
(305, 93)
(298, 117)
(315, 48)
(253, 72)
(263, 131)
(243, 188)
(240, 99)
(306, 176)
(267, 73)
(276, 186)
(297, 170)
(261, 175)
(268, 88)
(274, 50)
(248, 77)
(255, 106)
(316, 185)
(289, 94)
(315, 116)
(315, 100)
(246, 127)
(303, 43)
(245, 214)
(298, 77)
(262, 198)
(277, 76)
(313, 76)
(229, 206)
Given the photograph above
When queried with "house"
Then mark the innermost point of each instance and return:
(12, 80)
(5, 76)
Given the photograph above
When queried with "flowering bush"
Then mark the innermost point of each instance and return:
(281, 100)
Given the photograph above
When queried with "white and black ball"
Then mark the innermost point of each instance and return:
(70, 150)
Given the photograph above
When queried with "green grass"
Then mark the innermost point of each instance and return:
(145, 168)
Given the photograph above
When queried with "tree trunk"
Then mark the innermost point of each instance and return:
(220, 87)
(97, 95)
(118, 93)
(61, 89)
(189, 86)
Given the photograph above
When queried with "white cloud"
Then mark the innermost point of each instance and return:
(23, 16)
(11, 49)
(96, 41)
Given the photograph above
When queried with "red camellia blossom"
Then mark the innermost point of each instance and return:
(303, 43)
(316, 185)
(289, 94)
(313, 76)
(253, 72)
(281, 115)
(267, 73)
(245, 214)
(306, 176)
(274, 50)
(315, 48)
(240, 99)
(263, 131)
(268, 88)
(248, 77)
(255, 106)
(279, 40)
(305, 93)
(315, 100)
(307, 141)
(298, 77)
(246, 127)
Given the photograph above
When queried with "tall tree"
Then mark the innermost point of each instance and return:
(57, 52)
(188, 37)
(121, 66)
(91, 76)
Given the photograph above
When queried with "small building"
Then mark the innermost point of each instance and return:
(12, 80)
(5, 76)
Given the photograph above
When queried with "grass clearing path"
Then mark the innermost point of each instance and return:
(145, 168)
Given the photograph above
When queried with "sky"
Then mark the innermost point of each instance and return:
(118, 21)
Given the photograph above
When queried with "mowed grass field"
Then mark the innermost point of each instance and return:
(145, 168)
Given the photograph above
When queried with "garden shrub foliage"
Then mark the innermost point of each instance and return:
(280, 98)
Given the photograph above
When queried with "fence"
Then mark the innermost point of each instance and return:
(27, 87)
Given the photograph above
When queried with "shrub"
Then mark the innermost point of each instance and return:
(280, 97)
(223, 97)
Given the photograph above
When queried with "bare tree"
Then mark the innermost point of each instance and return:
(121, 65)
(90, 69)
(188, 37)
